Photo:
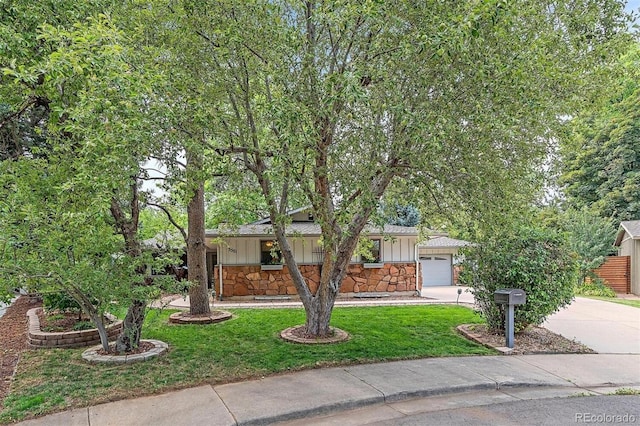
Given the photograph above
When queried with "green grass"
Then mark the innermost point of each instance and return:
(628, 302)
(245, 347)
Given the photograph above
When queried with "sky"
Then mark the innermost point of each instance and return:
(633, 6)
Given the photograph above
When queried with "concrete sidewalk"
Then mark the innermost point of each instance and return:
(306, 394)
(605, 327)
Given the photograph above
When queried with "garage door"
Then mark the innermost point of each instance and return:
(436, 270)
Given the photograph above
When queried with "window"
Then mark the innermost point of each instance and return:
(270, 253)
(373, 255)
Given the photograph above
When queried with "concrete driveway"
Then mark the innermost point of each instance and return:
(448, 293)
(605, 327)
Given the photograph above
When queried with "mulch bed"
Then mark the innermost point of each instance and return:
(66, 321)
(13, 339)
(298, 334)
(142, 347)
(533, 340)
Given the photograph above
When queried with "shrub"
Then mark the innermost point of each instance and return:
(531, 259)
(59, 301)
(594, 287)
(83, 325)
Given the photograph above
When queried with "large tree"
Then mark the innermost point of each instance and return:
(601, 155)
(340, 99)
(96, 138)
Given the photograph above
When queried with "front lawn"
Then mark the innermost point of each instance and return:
(247, 346)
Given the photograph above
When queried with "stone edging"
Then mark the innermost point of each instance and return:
(185, 318)
(91, 355)
(337, 337)
(68, 339)
(477, 338)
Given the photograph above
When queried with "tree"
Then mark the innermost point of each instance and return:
(97, 139)
(590, 237)
(535, 260)
(337, 100)
(401, 215)
(182, 108)
(601, 156)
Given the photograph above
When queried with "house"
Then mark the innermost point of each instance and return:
(245, 262)
(628, 243)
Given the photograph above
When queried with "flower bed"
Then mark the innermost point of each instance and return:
(68, 339)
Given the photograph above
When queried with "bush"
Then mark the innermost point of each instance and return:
(534, 260)
(595, 287)
(83, 325)
(59, 301)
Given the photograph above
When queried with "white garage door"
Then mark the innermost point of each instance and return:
(436, 270)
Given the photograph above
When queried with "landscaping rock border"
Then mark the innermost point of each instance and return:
(338, 336)
(186, 318)
(68, 339)
(91, 355)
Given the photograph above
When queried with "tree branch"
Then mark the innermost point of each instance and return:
(173, 222)
(31, 101)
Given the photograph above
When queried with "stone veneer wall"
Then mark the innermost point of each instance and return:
(69, 339)
(251, 281)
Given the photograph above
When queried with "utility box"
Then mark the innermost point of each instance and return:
(510, 296)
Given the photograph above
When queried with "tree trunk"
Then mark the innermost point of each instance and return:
(196, 255)
(129, 339)
(319, 314)
(102, 332)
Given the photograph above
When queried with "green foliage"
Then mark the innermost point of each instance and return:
(590, 237)
(535, 260)
(337, 100)
(365, 249)
(59, 301)
(57, 220)
(601, 155)
(401, 214)
(595, 287)
(83, 325)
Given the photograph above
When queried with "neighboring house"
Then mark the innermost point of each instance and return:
(245, 261)
(628, 243)
(439, 257)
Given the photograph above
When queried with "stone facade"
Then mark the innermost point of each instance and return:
(252, 281)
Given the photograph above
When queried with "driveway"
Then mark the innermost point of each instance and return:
(605, 327)
(448, 293)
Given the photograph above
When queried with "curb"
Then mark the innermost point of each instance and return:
(393, 398)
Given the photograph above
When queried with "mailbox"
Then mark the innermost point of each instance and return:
(510, 296)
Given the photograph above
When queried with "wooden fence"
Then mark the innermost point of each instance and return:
(616, 273)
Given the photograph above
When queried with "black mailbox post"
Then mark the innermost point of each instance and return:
(510, 297)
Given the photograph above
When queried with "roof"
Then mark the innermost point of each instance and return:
(303, 229)
(631, 227)
(443, 242)
(266, 220)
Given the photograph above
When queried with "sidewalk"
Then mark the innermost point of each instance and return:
(468, 380)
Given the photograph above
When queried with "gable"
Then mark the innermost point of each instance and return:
(628, 230)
